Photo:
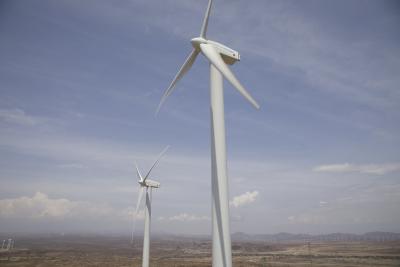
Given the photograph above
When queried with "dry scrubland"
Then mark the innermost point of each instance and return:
(116, 251)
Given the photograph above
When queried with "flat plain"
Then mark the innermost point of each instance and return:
(90, 250)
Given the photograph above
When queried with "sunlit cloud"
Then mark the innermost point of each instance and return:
(37, 206)
(41, 206)
(244, 199)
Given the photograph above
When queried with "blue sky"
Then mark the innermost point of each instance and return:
(80, 82)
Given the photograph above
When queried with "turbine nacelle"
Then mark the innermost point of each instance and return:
(229, 55)
(149, 183)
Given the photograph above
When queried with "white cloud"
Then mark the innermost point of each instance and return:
(17, 116)
(40, 206)
(379, 169)
(244, 199)
(185, 217)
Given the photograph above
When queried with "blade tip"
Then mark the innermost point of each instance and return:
(158, 109)
(255, 103)
(160, 105)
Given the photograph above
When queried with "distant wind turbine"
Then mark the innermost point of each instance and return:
(9, 244)
(219, 56)
(148, 185)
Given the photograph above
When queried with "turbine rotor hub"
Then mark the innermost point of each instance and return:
(196, 42)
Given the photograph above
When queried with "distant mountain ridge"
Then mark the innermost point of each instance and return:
(238, 236)
(285, 237)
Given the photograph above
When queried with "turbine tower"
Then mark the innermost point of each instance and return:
(219, 56)
(148, 185)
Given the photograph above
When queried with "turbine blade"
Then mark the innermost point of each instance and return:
(215, 58)
(139, 200)
(205, 21)
(155, 163)
(140, 196)
(139, 175)
(185, 68)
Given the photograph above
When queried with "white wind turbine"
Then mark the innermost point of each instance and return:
(219, 56)
(148, 185)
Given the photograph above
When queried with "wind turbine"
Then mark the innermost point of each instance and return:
(148, 185)
(219, 56)
(9, 244)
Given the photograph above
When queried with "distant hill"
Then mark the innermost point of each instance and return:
(286, 237)
(238, 236)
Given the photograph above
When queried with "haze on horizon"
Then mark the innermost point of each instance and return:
(80, 82)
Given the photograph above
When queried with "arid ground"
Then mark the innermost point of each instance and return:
(73, 250)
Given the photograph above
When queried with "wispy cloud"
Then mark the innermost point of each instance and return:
(72, 166)
(322, 203)
(18, 116)
(304, 45)
(244, 199)
(185, 217)
(379, 169)
(376, 204)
